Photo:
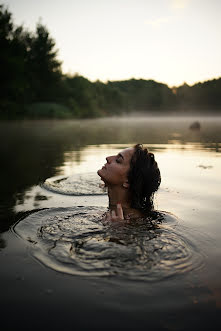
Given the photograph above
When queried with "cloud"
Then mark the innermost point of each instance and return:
(179, 4)
(158, 21)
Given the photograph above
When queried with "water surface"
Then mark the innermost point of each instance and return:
(51, 197)
(78, 241)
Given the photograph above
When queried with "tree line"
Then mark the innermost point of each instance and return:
(33, 85)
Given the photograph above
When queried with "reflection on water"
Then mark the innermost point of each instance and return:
(78, 242)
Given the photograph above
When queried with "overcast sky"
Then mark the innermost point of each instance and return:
(170, 41)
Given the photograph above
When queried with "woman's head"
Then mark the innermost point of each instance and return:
(135, 170)
(115, 171)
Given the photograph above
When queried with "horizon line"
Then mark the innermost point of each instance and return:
(75, 74)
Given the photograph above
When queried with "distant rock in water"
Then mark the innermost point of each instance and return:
(195, 126)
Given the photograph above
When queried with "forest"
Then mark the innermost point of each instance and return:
(33, 85)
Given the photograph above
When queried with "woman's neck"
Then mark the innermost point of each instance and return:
(122, 196)
(118, 195)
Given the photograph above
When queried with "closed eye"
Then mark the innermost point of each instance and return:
(119, 158)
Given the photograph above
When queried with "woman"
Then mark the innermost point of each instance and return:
(132, 177)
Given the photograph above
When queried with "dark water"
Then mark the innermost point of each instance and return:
(76, 241)
(58, 258)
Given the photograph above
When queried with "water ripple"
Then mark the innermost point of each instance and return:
(78, 184)
(76, 241)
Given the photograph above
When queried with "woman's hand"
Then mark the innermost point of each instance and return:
(113, 216)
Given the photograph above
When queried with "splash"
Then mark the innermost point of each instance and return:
(79, 184)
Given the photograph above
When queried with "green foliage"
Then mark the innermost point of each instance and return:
(11, 62)
(42, 68)
(47, 110)
(82, 97)
(109, 98)
(144, 95)
(34, 86)
(201, 96)
(29, 67)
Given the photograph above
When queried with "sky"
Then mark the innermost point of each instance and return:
(169, 41)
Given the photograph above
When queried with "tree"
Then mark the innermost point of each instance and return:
(82, 97)
(12, 64)
(43, 70)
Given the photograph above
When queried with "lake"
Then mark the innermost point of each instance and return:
(62, 268)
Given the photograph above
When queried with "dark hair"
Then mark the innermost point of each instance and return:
(144, 179)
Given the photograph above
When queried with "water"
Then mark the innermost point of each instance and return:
(77, 241)
(51, 213)
(78, 184)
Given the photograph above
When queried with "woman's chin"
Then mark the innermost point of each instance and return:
(99, 172)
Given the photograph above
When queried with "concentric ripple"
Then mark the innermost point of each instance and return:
(79, 184)
(77, 241)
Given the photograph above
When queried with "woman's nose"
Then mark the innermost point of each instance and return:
(108, 159)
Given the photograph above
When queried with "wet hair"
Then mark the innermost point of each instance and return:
(144, 179)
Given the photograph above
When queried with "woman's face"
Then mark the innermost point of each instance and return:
(115, 171)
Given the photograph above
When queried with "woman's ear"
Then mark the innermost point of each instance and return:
(126, 184)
